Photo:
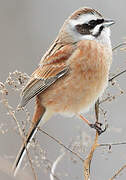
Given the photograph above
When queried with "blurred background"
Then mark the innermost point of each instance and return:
(27, 28)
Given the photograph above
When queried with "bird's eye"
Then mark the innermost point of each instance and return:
(100, 21)
(92, 23)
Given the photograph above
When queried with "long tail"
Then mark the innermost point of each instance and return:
(39, 113)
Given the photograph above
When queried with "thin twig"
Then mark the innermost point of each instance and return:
(61, 144)
(113, 49)
(58, 159)
(117, 75)
(118, 46)
(112, 144)
(118, 172)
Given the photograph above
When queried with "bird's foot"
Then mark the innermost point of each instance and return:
(98, 128)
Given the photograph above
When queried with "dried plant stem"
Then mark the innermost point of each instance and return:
(118, 172)
(88, 160)
(11, 113)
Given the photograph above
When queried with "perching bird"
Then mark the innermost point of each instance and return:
(72, 74)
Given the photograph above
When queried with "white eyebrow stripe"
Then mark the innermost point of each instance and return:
(85, 18)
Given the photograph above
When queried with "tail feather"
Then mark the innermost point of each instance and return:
(22, 151)
(39, 113)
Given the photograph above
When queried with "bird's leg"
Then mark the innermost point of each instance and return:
(84, 119)
(96, 125)
(98, 128)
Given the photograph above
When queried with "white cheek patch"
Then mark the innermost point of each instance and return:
(96, 30)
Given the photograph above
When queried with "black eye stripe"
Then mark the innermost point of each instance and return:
(91, 24)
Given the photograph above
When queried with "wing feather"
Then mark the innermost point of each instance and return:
(38, 86)
(46, 74)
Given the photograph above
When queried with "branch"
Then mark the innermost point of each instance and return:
(87, 162)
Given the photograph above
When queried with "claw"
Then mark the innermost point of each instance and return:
(98, 128)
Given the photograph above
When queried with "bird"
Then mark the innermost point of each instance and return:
(72, 74)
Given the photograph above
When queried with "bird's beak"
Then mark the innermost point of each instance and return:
(108, 23)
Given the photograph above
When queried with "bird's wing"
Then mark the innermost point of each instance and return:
(52, 68)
